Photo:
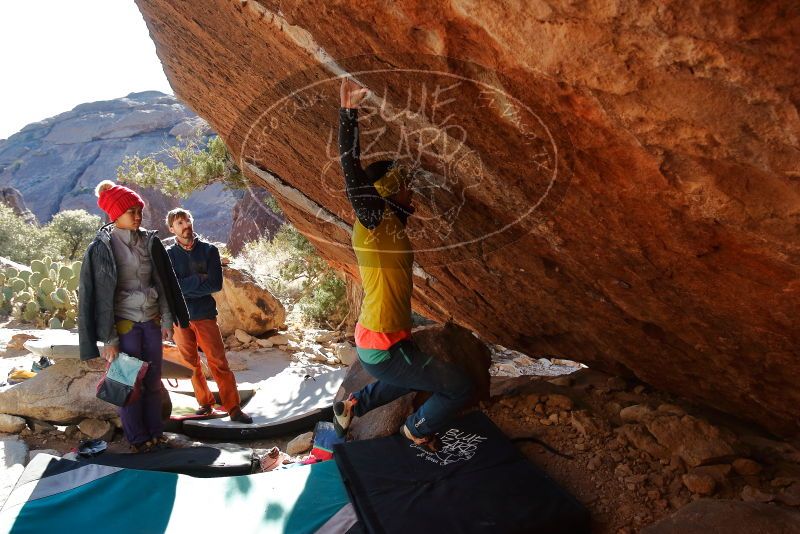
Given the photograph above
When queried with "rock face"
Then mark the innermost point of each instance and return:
(253, 219)
(244, 305)
(13, 199)
(610, 184)
(62, 393)
(56, 163)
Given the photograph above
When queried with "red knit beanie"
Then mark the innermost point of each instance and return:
(116, 199)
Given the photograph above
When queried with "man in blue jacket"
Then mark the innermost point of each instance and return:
(199, 271)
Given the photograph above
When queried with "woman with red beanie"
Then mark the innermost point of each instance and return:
(130, 299)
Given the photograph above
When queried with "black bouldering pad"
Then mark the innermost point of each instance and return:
(478, 483)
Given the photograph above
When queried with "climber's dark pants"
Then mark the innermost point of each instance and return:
(409, 369)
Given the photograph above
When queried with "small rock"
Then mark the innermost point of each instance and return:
(264, 343)
(345, 352)
(700, 484)
(11, 423)
(612, 408)
(719, 472)
(505, 369)
(97, 429)
(39, 427)
(639, 389)
(594, 463)
(300, 444)
(326, 337)
(616, 383)
(71, 431)
(636, 413)
(279, 339)
(558, 402)
(33, 453)
(783, 482)
(563, 381)
(584, 424)
(746, 466)
(751, 494)
(242, 336)
(790, 496)
(17, 341)
(671, 409)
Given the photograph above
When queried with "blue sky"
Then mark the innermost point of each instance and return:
(56, 54)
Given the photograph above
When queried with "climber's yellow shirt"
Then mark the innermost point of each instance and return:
(385, 261)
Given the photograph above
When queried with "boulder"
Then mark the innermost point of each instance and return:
(300, 444)
(696, 441)
(245, 305)
(63, 393)
(650, 123)
(11, 423)
(731, 517)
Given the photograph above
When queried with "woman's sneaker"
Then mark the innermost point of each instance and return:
(343, 415)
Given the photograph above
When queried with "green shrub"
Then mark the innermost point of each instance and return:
(22, 242)
(65, 237)
(72, 231)
(294, 272)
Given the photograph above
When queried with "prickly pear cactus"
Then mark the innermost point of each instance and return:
(45, 296)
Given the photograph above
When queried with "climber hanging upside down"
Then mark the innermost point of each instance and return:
(381, 196)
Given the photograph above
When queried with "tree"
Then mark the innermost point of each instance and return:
(22, 242)
(71, 231)
(196, 163)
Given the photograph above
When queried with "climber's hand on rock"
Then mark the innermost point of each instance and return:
(351, 93)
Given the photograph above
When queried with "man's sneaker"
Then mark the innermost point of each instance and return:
(205, 409)
(343, 415)
(240, 417)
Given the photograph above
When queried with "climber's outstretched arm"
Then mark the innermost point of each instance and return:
(363, 196)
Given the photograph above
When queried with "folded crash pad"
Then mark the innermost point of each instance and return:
(290, 401)
(478, 483)
(55, 495)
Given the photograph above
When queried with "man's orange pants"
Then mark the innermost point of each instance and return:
(205, 333)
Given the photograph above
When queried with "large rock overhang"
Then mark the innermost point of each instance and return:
(620, 188)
